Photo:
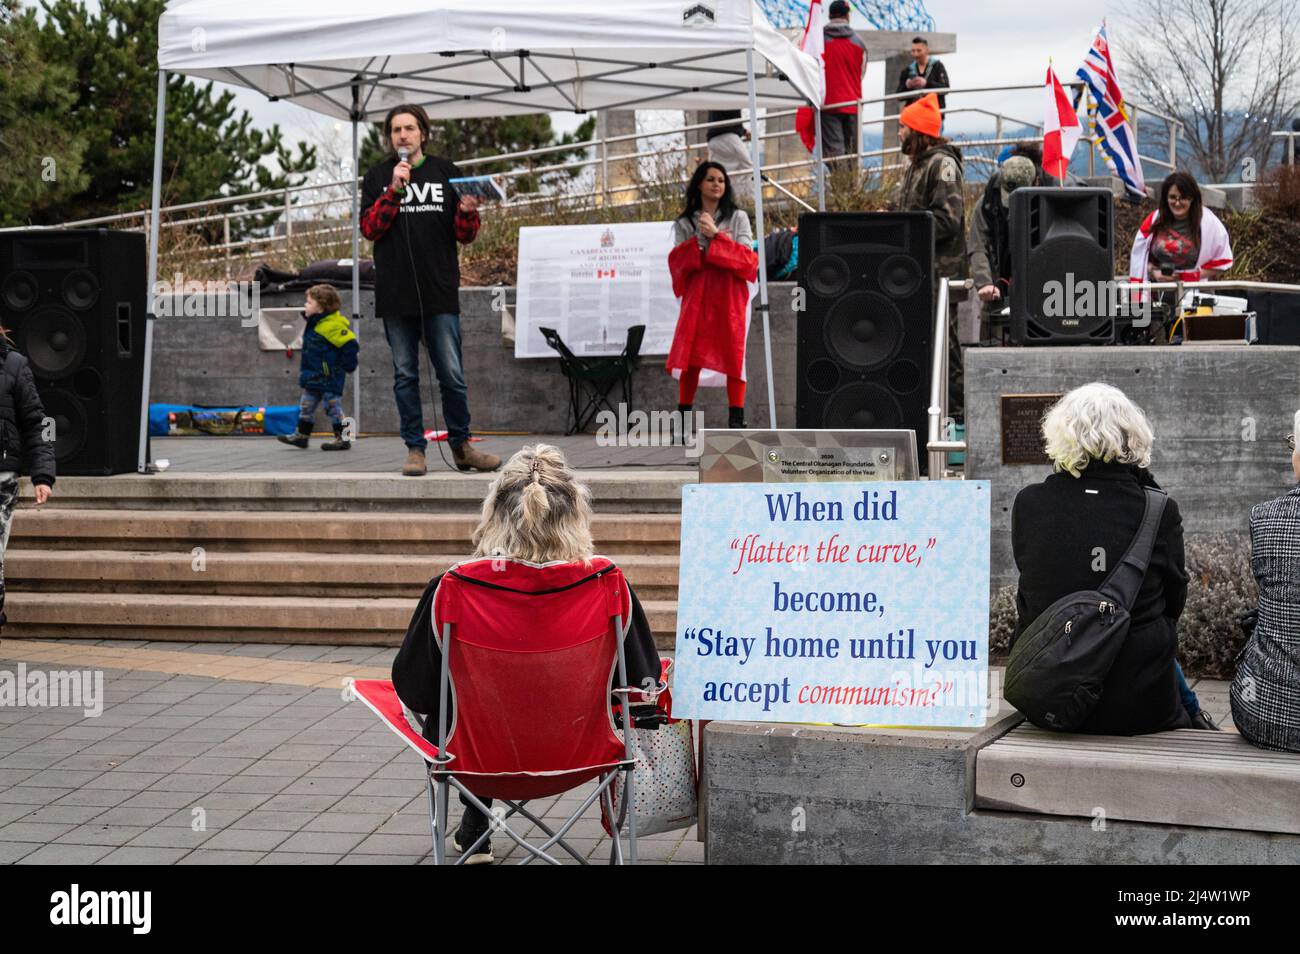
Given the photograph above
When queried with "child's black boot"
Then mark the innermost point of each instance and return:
(338, 443)
(299, 438)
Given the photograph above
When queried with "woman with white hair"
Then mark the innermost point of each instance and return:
(536, 511)
(1265, 692)
(1069, 531)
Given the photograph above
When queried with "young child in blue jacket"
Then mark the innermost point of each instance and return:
(329, 354)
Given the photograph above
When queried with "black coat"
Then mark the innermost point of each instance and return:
(23, 447)
(1056, 529)
(417, 668)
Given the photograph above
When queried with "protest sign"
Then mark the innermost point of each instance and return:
(834, 602)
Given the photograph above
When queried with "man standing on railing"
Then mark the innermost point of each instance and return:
(415, 217)
(924, 72)
(846, 63)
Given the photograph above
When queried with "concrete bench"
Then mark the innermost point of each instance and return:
(780, 794)
(1186, 777)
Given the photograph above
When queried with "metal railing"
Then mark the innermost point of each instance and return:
(603, 152)
(1290, 136)
(937, 447)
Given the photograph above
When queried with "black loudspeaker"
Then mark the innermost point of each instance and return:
(867, 326)
(1062, 266)
(75, 302)
(1277, 317)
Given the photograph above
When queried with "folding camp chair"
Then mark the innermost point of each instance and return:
(592, 379)
(529, 653)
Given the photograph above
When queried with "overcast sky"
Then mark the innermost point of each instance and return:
(999, 42)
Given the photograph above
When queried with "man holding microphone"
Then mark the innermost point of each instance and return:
(414, 216)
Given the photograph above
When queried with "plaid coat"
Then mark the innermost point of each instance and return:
(1266, 691)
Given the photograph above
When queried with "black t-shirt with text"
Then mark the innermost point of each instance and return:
(417, 270)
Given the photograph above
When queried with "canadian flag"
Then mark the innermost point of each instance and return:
(1061, 129)
(604, 273)
(813, 42)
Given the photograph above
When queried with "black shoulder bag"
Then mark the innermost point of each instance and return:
(1059, 663)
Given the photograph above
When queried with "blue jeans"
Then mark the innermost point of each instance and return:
(311, 400)
(442, 340)
(1190, 702)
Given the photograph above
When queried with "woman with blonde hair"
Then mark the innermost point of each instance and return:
(1069, 531)
(536, 512)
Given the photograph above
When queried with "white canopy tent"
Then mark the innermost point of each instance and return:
(474, 58)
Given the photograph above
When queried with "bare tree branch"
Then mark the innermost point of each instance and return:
(1225, 68)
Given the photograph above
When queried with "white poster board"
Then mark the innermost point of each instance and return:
(861, 602)
(593, 282)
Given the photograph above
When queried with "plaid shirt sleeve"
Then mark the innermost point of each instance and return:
(379, 218)
(466, 225)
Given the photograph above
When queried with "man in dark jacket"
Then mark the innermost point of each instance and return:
(924, 72)
(26, 442)
(846, 63)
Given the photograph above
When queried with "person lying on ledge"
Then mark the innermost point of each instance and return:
(536, 511)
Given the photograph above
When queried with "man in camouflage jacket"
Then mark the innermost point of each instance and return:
(933, 183)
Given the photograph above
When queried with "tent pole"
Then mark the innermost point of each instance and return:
(160, 120)
(356, 259)
(760, 235)
(818, 165)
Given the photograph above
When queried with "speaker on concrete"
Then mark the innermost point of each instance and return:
(75, 302)
(1061, 235)
(865, 332)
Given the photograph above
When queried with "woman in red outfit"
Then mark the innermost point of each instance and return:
(712, 262)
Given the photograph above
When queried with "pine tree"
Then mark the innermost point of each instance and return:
(210, 148)
(462, 139)
(41, 153)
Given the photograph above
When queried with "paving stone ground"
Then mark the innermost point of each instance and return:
(254, 741)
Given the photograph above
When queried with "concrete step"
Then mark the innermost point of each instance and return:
(616, 491)
(217, 572)
(49, 528)
(189, 618)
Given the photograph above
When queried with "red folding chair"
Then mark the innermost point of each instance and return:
(531, 655)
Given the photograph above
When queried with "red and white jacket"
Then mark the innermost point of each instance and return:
(1215, 249)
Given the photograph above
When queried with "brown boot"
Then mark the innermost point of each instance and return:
(414, 466)
(467, 458)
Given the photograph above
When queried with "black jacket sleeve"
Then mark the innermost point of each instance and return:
(902, 81)
(38, 453)
(938, 79)
(417, 668)
(639, 648)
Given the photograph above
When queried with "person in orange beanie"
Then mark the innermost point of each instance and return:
(933, 183)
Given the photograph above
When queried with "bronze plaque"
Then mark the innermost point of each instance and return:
(1022, 423)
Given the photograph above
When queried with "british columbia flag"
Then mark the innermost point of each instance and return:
(1112, 132)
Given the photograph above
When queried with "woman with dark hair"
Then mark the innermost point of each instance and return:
(712, 263)
(1181, 238)
(25, 441)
